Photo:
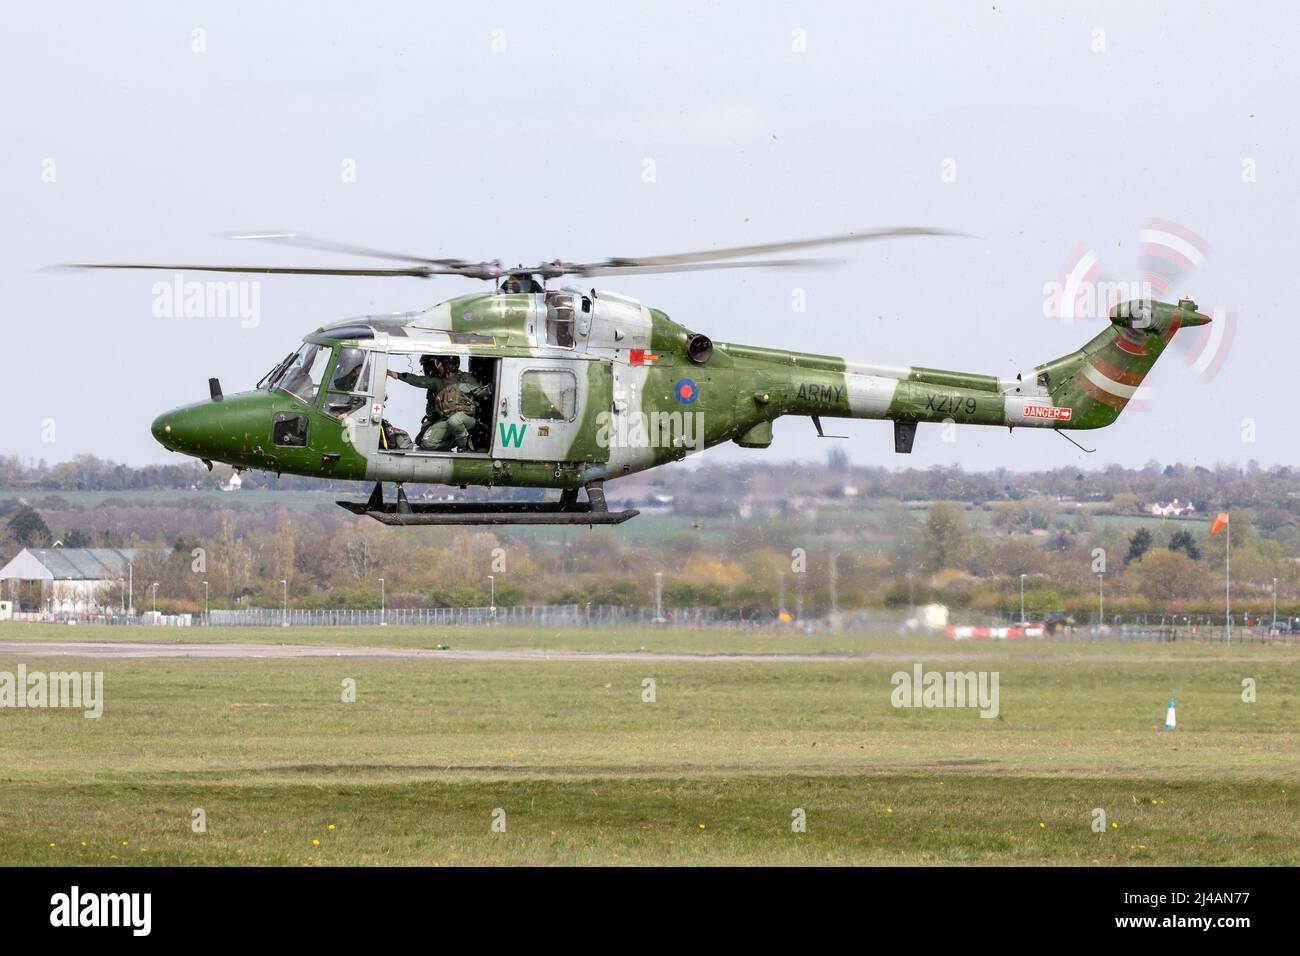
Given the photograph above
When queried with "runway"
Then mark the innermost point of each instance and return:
(157, 650)
(234, 651)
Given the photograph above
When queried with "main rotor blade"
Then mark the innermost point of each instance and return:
(300, 241)
(423, 268)
(606, 270)
(419, 272)
(740, 252)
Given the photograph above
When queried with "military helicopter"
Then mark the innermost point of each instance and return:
(569, 388)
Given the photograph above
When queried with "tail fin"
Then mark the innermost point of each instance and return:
(1100, 379)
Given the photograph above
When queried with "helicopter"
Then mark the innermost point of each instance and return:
(573, 387)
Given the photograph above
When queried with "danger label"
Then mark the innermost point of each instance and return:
(1049, 411)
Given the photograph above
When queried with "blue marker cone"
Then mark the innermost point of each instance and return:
(1170, 721)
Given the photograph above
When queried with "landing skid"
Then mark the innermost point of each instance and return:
(568, 510)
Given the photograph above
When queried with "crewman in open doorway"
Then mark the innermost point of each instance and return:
(452, 405)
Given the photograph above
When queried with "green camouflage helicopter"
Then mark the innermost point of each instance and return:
(569, 388)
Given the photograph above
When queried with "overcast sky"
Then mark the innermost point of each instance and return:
(526, 131)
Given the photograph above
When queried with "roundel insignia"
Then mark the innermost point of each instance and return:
(687, 391)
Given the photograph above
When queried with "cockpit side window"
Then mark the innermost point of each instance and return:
(350, 383)
(304, 374)
(352, 372)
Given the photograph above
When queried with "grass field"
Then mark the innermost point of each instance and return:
(711, 772)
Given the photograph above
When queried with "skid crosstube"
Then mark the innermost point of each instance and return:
(568, 510)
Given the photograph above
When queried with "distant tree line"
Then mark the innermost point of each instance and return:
(755, 538)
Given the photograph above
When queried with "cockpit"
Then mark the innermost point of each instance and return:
(301, 373)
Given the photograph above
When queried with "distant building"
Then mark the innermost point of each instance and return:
(69, 580)
(234, 484)
(928, 617)
(1173, 509)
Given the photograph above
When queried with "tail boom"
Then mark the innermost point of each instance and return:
(1086, 389)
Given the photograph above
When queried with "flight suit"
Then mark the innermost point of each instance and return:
(446, 431)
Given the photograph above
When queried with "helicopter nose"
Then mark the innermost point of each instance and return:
(215, 430)
(178, 430)
(161, 429)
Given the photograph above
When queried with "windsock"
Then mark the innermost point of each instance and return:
(1170, 721)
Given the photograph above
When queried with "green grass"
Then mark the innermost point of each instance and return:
(885, 819)
(587, 773)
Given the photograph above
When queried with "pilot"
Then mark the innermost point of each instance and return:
(348, 372)
(452, 405)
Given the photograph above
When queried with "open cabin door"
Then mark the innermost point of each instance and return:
(553, 409)
(351, 396)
